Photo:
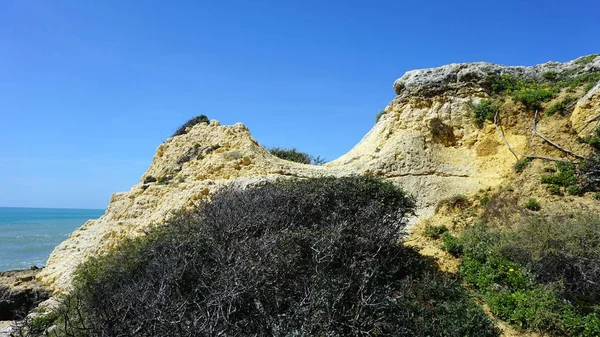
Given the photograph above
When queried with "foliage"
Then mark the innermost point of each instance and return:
(565, 176)
(291, 155)
(593, 140)
(164, 180)
(451, 244)
(533, 205)
(550, 75)
(536, 275)
(521, 164)
(399, 88)
(555, 190)
(434, 232)
(587, 59)
(560, 106)
(378, 116)
(458, 201)
(485, 110)
(149, 179)
(533, 96)
(589, 86)
(196, 120)
(314, 257)
(589, 173)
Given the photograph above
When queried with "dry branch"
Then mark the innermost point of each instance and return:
(536, 132)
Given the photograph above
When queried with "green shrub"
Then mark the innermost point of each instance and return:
(550, 75)
(587, 59)
(485, 110)
(533, 205)
(521, 164)
(434, 232)
(533, 98)
(457, 202)
(555, 190)
(291, 155)
(560, 106)
(399, 88)
(164, 180)
(589, 86)
(484, 200)
(378, 116)
(536, 275)
(593, 140)
(565, 176)
(196, 120)
(451, 244)
(597, 195)
(574, 190)
(314, 257)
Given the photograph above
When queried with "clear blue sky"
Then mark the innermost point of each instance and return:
(89, 89)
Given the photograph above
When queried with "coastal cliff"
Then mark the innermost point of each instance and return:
(425, 141)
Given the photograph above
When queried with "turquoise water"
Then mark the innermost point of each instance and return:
(28, 235)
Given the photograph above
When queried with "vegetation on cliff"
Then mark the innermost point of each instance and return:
(309, 257)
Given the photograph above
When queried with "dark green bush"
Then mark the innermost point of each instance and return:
(560, 106)
(536, 275)
(593, 140)
(566, 175)
(315, 257)
(533, 205)
(378, 116)
(521, 164)
(485, 110)
(458, 201)
(149, 179)
(533, 98)
(196, 120)
(555, 190)
(589, 86)
(291, 155)
(434, 232)
(550, 75)
(451, 244)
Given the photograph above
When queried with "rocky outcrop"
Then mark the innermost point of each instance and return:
(19, 293)
(425, 142)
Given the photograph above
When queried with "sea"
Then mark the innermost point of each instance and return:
(28, 235)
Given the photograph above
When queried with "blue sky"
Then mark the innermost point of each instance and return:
(89, 89)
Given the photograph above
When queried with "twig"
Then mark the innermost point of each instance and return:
(535, 131)
(515, 152)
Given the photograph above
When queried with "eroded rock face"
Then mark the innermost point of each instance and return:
(425, 142)
(19, 293)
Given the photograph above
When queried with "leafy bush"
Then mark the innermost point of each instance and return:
(458, 201)
(315, 257)
(593, 140)
(555, 190)
(533, 205)
(560, 106)
(291, 155)
(149, 179)
(451, 244)
(485, 110)
(536, 275)
(550, 75)
(533, 97)
(378, 116)
(521, 164)
(565, 176)
(196, 120)
(434, 232)
(587, 59)
(589, 86)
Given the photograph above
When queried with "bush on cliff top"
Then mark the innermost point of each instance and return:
(196, 120)
(315, 257)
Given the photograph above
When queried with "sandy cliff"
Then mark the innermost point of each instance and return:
(425, 141)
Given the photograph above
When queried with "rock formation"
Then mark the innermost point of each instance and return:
(425, 141)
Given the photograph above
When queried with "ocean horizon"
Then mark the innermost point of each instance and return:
(28, 235)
